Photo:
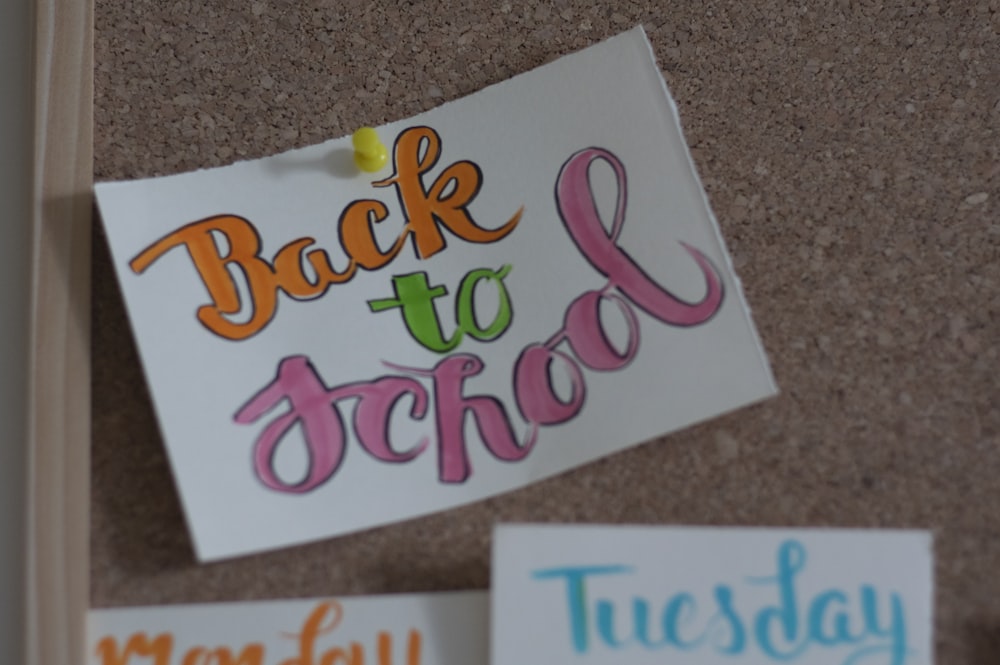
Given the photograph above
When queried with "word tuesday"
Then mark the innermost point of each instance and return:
(827, 626)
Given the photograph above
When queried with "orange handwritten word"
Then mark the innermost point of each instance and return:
(354, 654)
(426, 209)
(416, 152)
(252, 654)
(139, 645)
(324, 619)
(161, 651)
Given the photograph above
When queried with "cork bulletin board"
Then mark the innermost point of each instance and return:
(850, 152)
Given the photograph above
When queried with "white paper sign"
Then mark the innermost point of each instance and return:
(533, 282)
(635, 595)
(410, 629)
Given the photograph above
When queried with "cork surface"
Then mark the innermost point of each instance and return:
(851, 153)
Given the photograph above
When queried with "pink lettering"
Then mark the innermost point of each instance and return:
(487, 411)
(575, 201)
(314, 407)
(586, 335)
(311, 406)
(533, 390)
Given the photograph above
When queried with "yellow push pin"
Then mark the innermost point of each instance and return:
(369, 152)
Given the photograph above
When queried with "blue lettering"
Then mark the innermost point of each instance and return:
(736, 632)
(896, 631)
(606, 624)
(680, 608)
(640, 610)
(864, 653)
(791, 559)
(841, 619)
(865, 633)
(576, 596)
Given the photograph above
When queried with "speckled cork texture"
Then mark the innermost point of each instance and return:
(851, 153)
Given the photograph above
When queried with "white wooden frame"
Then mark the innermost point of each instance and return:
(58, 506)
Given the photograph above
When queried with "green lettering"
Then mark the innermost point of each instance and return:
(467, 321)
(416, 297)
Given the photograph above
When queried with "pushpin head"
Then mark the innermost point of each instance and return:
(369, 152)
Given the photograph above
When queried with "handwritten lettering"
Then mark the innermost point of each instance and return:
(445, 202)
(160, 650)
(314, 406)
(252, 654)
(322, 621)
(223, 273)
(310, 406)
(138, 645)
(578, 211)
(793, 628)
(415, 297)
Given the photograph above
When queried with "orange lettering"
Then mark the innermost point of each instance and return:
(416, 151)
(313, 628)
(356, 656)
(384, 648)
(223, 274)
(138, 645)
(252, 654)
(291, 280)
(213, 268)
(412, 648)
(288, 268)
(357, 238)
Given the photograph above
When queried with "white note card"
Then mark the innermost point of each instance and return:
(406, 629)
(645, 595)
(533, 281)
